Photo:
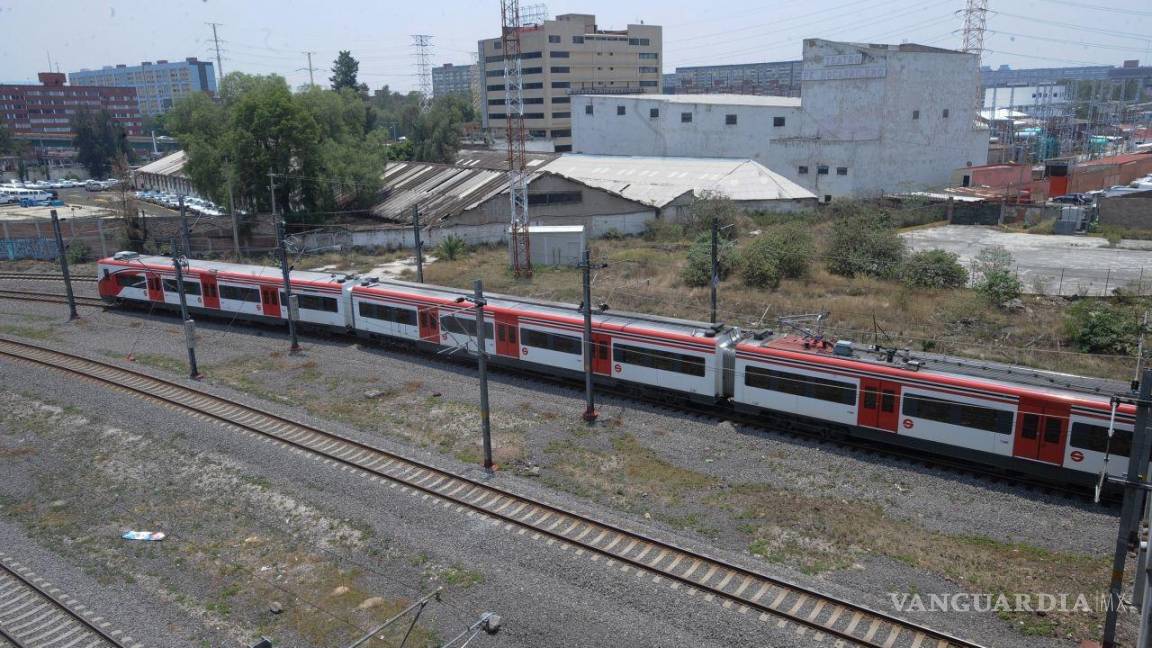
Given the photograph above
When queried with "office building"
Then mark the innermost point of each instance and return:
(451, 79)
(29, 110)
(777, 78)
(158, 85)
(564, 58)
(870, 119)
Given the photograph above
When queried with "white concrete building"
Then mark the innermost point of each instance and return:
(870, 119)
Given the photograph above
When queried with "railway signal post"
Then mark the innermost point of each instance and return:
(482, 363)
(62, 253)
(189, 324)
(1135, 488)
(589, 348)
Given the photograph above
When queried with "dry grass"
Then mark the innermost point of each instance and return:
(643, 276)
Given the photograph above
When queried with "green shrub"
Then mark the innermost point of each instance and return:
(712, 205)
(933, 269)
(863, 241)
(997, 281)
(1099, 327)
(791, 246)
(698, 271)
(78, 252)
(451, 247)
(760, 264)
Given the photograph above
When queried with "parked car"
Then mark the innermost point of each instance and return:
(5, 199)
(1072, 199)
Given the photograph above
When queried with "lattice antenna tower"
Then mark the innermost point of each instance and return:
(474, 83)
(422, 53)
(975, 22)
(534, 14)
(521, 251)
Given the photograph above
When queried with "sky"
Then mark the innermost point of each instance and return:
(271, 36)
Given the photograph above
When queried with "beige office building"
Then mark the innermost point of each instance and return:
(563, 57)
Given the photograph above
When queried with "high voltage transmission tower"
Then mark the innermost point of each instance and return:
(216, 40)
(422, 52)
(975, 21)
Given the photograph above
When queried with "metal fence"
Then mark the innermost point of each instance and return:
(27, 248)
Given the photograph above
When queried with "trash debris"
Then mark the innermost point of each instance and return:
(149, 536)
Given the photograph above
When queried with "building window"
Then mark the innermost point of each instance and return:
(560, 69)
(802, 170)
(842, 171)
(827, 198)
(649, 84)
(561, 100)
(535, 85)
(730, 120)
(653, 113)
(553, 198)
(945, 113)
(647, 69)
(558, 54)
(534, 70)
(777, 121)
(686, 118)
(588, 109)
(533, 115)
(620, 110)
(915, 114)
(644, 42)
(553, 38)
(561, 115)
(538, 133)
(496, 45)
(533, 100)
(577, 40)
(563, 148)
(650, 56)
(822, 169)
(561, 84)
(562, 132)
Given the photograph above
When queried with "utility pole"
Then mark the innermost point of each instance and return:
(1135, 489)
(189, 325)
(291, 304)
(419, 243)
(482, 363)
(589, 346)
(311, 78)
(235, 217)
(185, 242)
(715, 282)
(62, 253)
(219, 61)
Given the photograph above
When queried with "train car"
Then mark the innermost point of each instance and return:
(1050, 426)
(673, 355)
(227, 289)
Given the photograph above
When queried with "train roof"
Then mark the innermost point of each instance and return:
(993, 372)
(268, 272)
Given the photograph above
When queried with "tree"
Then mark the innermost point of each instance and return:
(709, 206)
(7, 145)
(759, 265)
(344, 70)
(863, 241)
(698, 271)
(436, 133)
(933, 269)
(98, 141)
(997, 281)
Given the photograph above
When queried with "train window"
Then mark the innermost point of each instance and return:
(551, 341)
(390, 313)
(602, 350)
(1030, 426)
(961, 414)
(869, 399)
(888, 401)
(314, 302)
(130, 281)
(238, 293)
(810, 387)
(190, 287)
(1095, 438)
(656, 359)
(464, 326)
(501, 333)
(512, 335)
(1051, 430)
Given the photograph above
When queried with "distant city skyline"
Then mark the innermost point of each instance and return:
(263, 37)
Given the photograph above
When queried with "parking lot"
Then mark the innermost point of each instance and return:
(1048, 263)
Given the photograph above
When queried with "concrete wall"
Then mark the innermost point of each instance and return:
(1132, 211)
(857, 114)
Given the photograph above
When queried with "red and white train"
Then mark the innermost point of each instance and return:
(941, 406)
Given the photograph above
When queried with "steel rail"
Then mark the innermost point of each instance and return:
(33, 616)
(813, 612)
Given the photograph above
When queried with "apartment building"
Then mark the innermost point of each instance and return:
(28, 110)
(158, 85)
(560, 58)
(451, 79)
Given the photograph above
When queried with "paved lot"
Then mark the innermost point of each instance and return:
(1066, 265)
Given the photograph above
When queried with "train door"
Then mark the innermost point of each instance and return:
(508, 335)
(601, 354)
(879, 404)
(1041, 431)
(210, 291)
(429, 320)
(270, 300)
(155, 286)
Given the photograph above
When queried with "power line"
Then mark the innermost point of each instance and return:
(1115, 10)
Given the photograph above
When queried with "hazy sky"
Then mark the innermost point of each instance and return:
(269, 36)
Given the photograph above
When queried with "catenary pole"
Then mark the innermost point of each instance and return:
(189, 325)
(185, 237)
(61, 252)
(235, 217)
(590, 347)
(418, 243)
(1130, 512)
(482, 363)
(290, 299)
(715, 282)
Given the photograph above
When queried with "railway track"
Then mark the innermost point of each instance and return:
(43, 276)
(813, 615)
(51, 298)
(34, 614)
